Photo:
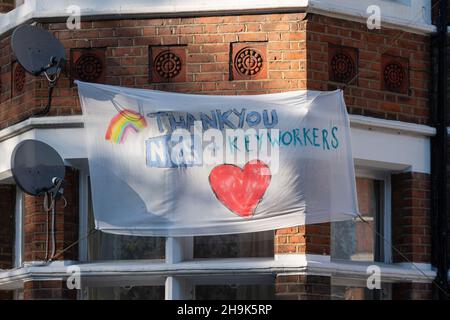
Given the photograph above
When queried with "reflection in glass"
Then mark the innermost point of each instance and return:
(257, 244)
(105, 246)
(233, 292)
(357, 240)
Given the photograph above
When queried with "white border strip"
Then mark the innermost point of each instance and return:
(297, 264)
(39, 123)
(398, 126)
(77, 122)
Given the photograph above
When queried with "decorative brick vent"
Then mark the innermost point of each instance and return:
(395, 74)
(88, 65)
(342, 64)
(167, 64)
(18, 79)
(248, 61)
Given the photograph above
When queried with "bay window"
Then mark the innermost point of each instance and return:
(351, 241)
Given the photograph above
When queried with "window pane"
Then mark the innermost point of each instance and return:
(127, 293)
(233, 292)
(258, 244)
(7, 226)
(342, 291)
(105, 246)
(358, 240)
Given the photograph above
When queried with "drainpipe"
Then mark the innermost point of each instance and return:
(439, 158)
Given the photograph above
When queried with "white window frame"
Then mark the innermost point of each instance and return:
(359, 283)
(18, 229)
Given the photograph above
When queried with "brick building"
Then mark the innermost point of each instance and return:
(386, 75)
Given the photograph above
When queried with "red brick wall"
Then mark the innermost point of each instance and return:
(411, 229)
(66, 233)
(297, 58)
(308, 239)
(366, 96)
(302, 287)
(45, 290)
(66, 223)
(297, 55)
(208, 40)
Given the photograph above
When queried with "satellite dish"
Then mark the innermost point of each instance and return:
(37, 50)
(36, 167)
(39, 53)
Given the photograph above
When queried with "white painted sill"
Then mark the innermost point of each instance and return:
(143, 269)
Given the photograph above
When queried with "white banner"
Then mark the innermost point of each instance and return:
(170, 164)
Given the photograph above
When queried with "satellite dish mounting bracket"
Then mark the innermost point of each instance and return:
(52, 80)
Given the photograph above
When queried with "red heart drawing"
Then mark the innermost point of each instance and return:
(240, 190)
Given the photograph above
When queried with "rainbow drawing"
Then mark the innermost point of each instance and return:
(124, 123)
